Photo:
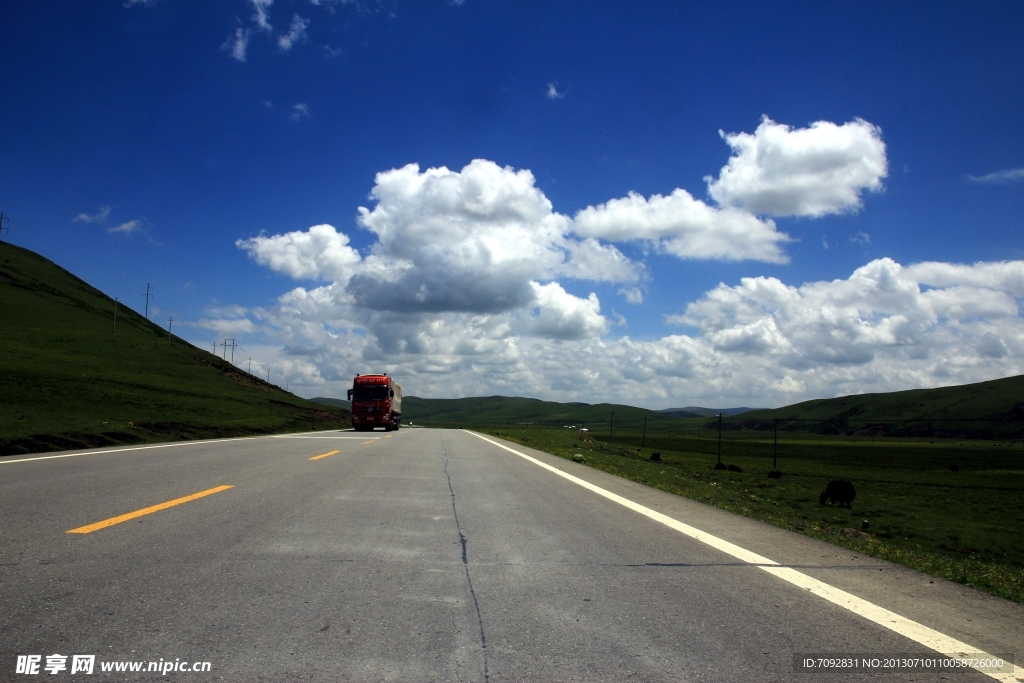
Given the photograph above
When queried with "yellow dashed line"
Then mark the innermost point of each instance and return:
(324, 455)
(370, 441)
(145, 511)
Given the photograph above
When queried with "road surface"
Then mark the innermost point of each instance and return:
(435, 555)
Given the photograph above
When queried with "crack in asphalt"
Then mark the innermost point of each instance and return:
(465, 565)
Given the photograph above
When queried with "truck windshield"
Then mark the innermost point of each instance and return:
(369, 393)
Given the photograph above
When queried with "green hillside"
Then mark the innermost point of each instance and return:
(991, 408)
(504, 410)
(68, 381)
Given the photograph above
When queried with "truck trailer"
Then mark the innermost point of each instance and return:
(376, 402)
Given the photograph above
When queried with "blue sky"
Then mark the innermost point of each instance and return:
(613, 172)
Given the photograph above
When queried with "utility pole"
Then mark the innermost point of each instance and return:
(170, 323)
(114, 326)
(2, 219)
(148, 294)
(232, 345)
(250, 365)
(719, 438)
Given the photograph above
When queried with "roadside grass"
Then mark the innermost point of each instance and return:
(962, 526)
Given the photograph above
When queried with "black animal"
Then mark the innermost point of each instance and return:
(840, 491)
(656, 457)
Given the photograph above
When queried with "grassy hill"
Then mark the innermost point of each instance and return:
(68, 381)
(991, 408)
(504, 410)
(336, 402)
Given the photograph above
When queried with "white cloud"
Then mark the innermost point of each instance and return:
(861, 238)
(633, 295)
(299, 111)
(683, 226)
(237, 44)
(780, 171)
(1007, 176)
(296, 34)
(225, 326)
(320, 252)
(262, 14)
(470, 241)
(98, 217)
(126, 228)
(760, 342)
(553, 93)
(564, 316)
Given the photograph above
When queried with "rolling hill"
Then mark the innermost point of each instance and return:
(71, 378)
(497, 410)
(995, 407)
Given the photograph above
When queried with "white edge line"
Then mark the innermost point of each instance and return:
(4, 461)
(919, 633)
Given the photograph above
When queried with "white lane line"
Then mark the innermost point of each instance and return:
(289, 436)
(919, 633)
(133, 448)
(4, 461)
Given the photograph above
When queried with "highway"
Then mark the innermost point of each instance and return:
(437, 555)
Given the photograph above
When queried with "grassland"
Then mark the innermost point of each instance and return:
(70, 379)
(964, 526)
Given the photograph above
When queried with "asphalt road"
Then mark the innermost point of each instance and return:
(432, 555)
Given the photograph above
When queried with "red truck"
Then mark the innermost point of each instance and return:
(376, 402)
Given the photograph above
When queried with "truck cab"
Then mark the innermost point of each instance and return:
(376, 402)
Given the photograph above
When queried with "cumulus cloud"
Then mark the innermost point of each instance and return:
(761, 341)
(481, 244)
(471, 240)
(320, 252)
(564, 316)
(882, 310)
(98, 217)
(684, 227)
(781, 171)
(999, 177)
(553, 93)
(296, 34)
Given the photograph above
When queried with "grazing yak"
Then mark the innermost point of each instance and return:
(840, 491)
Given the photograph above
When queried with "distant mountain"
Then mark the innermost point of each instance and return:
(496, 410)
(336, 402)
(695, 411)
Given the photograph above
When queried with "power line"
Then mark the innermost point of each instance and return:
(170, 323)
(148, 294)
